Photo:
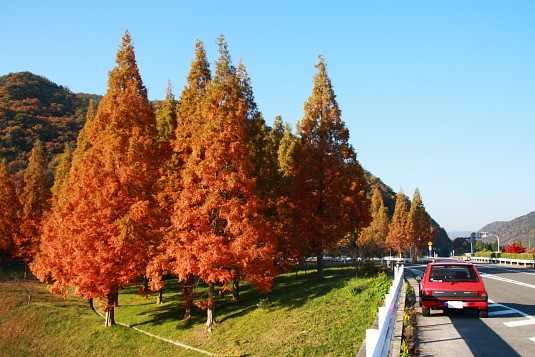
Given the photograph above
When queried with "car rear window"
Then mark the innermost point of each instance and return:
(452, 273)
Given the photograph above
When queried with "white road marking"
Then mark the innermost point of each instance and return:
(519, 323)
(529, 320)
(532, 338)
(495, 277)
(518, 270)
(501, 312)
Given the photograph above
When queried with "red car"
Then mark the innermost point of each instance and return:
(452, 285)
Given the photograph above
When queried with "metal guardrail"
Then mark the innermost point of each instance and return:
(408, 260)
(504, 261)
(378, 340)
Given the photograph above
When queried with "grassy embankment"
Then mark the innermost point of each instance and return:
(300, 317)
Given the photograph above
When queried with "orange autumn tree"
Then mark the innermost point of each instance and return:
(98, 235)
(398, 235)
(420, 230)
(267, 182)
(289, 242)
(328, 180)
(35, 199)
(188, 126)
(372, 239)
(215, 218)
(10, 217)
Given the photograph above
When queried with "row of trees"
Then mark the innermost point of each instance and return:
(408, 231)
(201, 189)
(462, 245)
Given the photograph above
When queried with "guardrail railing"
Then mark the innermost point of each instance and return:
(378, 340)
(408, 260)
(504, 260)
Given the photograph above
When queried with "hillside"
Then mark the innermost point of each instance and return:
(521, 229)
(33, 108)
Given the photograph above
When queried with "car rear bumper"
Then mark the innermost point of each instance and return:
(429, 302)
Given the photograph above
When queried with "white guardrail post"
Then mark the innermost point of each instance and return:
(378, 340)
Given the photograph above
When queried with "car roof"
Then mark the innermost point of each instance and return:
(450, 263)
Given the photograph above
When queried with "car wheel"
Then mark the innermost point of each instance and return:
(483, 313)
(426, 311)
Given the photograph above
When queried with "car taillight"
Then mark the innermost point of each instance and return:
(483, 293)
(426, 292)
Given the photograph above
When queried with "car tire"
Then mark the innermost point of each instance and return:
(426, 311)
(483, 313)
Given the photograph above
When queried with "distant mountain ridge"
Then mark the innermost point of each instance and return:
(520, 229)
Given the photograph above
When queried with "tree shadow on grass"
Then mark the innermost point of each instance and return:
(290, 291)
(170, 313)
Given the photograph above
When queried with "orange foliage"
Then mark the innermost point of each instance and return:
(11, 209)
(98, 234)
(329, 182)
(215, 213)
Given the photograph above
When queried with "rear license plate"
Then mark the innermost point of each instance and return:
(454, 304)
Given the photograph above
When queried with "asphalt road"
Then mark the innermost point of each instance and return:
(508, 331)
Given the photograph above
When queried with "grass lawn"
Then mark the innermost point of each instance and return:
(299, 317)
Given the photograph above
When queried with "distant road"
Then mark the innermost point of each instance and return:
(509, 330)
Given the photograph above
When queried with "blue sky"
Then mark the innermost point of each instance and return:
(437, 95)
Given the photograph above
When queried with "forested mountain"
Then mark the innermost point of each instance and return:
(33, 108)
(521, 229)
(389, 195)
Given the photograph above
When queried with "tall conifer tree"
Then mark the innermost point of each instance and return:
(62, 173)
(286, 152)
(189, 120)
(166, 116)
(98, 237)
(11, 210)
(398, 235)
(216, 214)
(420, 229)
(277, 132)
(372, 239)
(328, 180)
(35, 199)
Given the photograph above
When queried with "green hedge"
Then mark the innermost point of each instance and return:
(518, 256)
(487, 254)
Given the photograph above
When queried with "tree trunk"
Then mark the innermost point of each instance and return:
(116, 299)
(319, 262)
(110, 309)
(188, 296)
(235, 290)
(159, 297)
(210, 310)
(145, 284)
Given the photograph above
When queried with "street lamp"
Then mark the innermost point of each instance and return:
(485, 234)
